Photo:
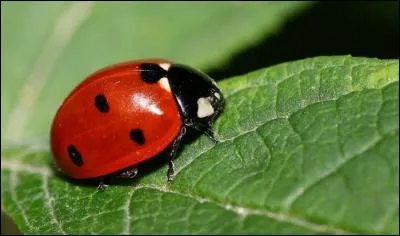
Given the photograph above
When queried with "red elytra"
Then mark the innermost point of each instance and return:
(127, 113)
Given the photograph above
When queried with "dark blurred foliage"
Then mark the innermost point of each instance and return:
(368, 29)
(8, 227)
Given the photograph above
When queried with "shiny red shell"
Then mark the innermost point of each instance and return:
(103, 138)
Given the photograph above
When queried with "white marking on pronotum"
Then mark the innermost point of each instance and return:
(64, 29)
(204, 108)
(165, 66)
(217, 95)
(165, 84)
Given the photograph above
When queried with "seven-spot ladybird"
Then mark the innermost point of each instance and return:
(127, 113)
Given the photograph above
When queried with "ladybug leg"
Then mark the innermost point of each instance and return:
(102, 185)
(129, 173)
(211, 135)
(206, 130)
(172, 153)
(171, 170)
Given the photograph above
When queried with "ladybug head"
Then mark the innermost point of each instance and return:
(199, 98)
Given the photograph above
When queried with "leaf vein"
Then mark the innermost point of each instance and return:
(127, 206)
(239, 182)
(341, 164)
(13, 185)
(49, 203)
(206, 172)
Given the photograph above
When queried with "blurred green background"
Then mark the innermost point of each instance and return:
(256, 39)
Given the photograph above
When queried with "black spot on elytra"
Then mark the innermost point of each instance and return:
(75, 156)
(100, 101)
(151, 72)
(137, 136)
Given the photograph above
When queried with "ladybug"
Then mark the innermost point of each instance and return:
(127, 113)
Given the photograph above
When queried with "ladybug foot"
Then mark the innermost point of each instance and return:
(212, 136)
(171, 171)
(102, 186)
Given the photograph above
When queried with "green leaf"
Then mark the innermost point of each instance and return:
(307, 147)
(50, 47)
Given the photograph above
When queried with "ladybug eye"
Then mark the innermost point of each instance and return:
(214, 98)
